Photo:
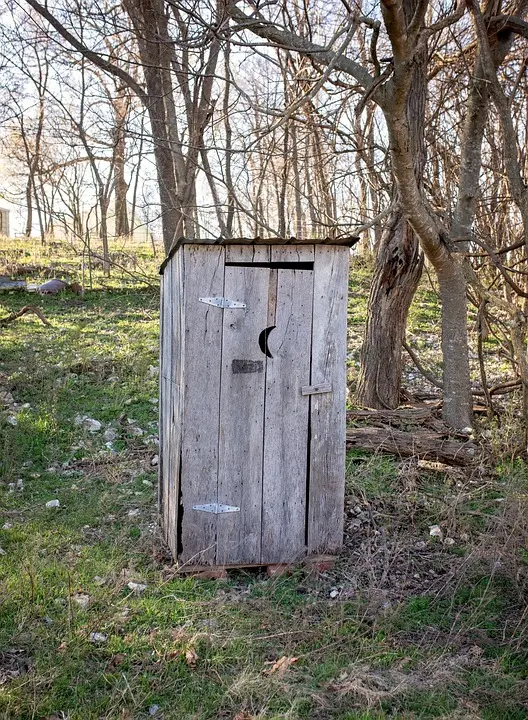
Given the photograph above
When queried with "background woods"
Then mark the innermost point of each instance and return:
(403, 122)
(124, 126)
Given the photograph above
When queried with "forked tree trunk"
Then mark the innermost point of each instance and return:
(397, 272)
(396, 276)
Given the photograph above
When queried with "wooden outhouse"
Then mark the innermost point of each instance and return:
(252, 406)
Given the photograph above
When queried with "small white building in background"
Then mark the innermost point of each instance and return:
(5, 228)
(12, 217)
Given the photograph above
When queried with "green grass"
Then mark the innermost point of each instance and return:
(202, 649)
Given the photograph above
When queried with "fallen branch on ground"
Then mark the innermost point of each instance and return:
(26, 309)
(423, 444)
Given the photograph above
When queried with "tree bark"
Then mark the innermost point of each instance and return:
(122, 226)
(397, 271)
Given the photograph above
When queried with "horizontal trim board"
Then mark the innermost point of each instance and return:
(348, 241)
(274, 265)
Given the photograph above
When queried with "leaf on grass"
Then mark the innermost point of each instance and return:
(280, 667)
(191, 657)
(115, 661)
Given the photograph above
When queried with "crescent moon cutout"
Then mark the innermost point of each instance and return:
(263, 340)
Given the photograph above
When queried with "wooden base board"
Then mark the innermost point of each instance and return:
(314, 563)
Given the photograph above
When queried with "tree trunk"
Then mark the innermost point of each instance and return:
(122, 226)
(396, 276)
(397, 272)
(458, 407)
(29, 206)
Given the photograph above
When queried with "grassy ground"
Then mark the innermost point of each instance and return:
(405, 626)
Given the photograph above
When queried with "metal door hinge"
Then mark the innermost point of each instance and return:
(222, 302)
(216, 508)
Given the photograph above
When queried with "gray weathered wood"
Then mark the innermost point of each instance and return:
(242, 416)
(204, 276)
(286, 420)
(265, 434)
(164, 446)
(316, 389)
(328, 411)
(175, 406)
(247, 253)
(292, 253)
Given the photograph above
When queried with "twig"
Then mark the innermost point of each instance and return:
(427, 375)
(23, 311)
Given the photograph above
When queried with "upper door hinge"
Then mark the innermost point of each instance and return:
(222, 302)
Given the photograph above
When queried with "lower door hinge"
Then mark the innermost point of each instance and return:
(216, 508)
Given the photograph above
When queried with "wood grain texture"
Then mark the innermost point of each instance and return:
(164, 392)
(242, 416)
(328, 411)
(202, 360)
(286, 420)
(176, 402)
(292, 253)
(247, 253)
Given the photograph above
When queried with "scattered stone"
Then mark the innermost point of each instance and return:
(147, 483)
(7, 526)
(153, 371)
(87, 423)
(20, 485)
(153, 709)
(11, 487)
(436, 531)
(420, 545)
(155, 461)
(136, 587)
(96, 637)
(110, 434)
(334, 592)
(52, 504)
(449, 541)
(154, 401)
(11, 419)
(134, 513)
(135, 431)
(82, 599)
(6, 398)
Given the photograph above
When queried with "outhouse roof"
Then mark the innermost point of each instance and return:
(349, 240)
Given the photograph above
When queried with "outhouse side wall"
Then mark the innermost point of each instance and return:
(171, 397)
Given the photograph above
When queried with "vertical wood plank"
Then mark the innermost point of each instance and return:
(247, 253)
(286, 420)
(328, 411)
(292, 253)
(174, 405)
(163, 469)
(203, 277)
(242, 416)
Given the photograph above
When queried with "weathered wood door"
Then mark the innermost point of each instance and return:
(249, 425)
(263, 414)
